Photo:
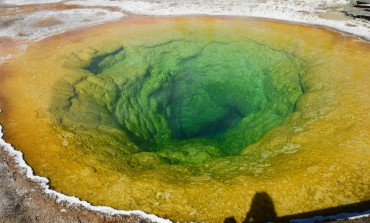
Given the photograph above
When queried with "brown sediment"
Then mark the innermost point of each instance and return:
(297, 182)
(49, 21)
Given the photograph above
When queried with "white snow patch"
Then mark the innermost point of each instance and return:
(362, 215)
(306, 12)
(298, 11)
(59, 197)
(28, 2)
(25, 26)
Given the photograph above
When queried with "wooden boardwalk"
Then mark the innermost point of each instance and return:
(361, 9)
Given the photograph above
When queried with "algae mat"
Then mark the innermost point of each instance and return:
(189, 118)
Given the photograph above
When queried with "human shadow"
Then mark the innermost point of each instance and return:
(262, 209)
(230, 220)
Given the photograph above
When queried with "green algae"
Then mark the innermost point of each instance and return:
(183, 101)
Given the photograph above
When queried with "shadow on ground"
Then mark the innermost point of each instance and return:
(263, 210)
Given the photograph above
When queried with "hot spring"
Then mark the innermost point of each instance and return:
(189, 117)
